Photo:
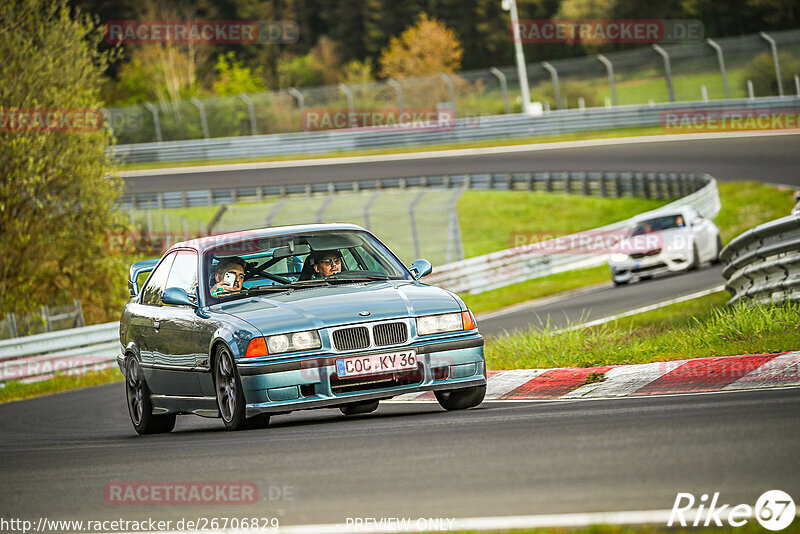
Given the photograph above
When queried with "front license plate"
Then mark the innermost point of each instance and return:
(376, 363)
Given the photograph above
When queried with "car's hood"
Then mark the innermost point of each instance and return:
(326, 306)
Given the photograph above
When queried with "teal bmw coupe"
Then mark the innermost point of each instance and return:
(246, 325)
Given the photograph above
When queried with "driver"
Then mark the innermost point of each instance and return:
(228, 275)
(327, 262)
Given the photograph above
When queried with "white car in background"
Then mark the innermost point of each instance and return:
(680, 239)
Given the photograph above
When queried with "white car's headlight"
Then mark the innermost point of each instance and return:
(619, 257)
(446, 322)
(305, 340)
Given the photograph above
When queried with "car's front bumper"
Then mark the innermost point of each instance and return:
(665, 262)
(312, 383)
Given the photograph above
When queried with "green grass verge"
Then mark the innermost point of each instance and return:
(693, 329)
(17, 390)
(536, 288)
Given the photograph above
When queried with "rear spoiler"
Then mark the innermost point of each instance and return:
(144, 266)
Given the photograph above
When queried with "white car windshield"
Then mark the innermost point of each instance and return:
(658, 224)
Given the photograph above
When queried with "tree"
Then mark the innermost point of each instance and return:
(57, 188)
(428, 47)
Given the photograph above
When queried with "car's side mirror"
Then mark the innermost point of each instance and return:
(420, 268)
(177, 296)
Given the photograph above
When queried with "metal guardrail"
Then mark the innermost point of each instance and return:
(464, 130)
(506, 267)
(70, 351)
(96, 347)
(762, 265)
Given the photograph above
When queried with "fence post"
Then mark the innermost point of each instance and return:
(368, 207)
(750, 93)
(667, 71)
(46, 317)
(274, 211)
(450, 91)
(413, 226)
(556, 89)
(156, 121)
(326, 203)
(797, 84)
(251, 111)
(301, 101)
(774, 49)
(79, 312)
(503, 87)
(704, 93)
(109, 123)
(12, 324)
(203, 119)
(351, 107)
(398, 90)
(721, 60)
(454, 230)
(610, 70)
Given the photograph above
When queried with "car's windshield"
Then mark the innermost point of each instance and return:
(658, 224)
(284, 263)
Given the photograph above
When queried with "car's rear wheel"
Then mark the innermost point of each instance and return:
(140, 407)
(358, 408)
(460, 399)
(230, 395)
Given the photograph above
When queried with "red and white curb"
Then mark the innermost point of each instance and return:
(722, 373)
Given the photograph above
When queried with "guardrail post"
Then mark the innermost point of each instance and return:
(554, 78)
(568, 183)
(529, 180)
(398, 90)
(413, 225)
(774, 49)
(156, 121)
(46, 317)
(585, 184)
(797, 84)
(79, 312)
(704, 93)
(667, 71)
(548, 182)
(12, 324)
(750, 93)
(610, 70)
(603, 185)
(450, 90)
(618, 185)
(721, 61)
(503, 87)
(368, 207)
(251, 111)
(203, 119)
(351, 107)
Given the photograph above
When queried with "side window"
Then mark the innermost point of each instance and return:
(151, 294)
(184, 272)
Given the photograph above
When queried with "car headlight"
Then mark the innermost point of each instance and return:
(619, 257)
(294, 341)
(446, 322)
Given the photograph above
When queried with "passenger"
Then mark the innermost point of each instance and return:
(228, 275)
(679, 221)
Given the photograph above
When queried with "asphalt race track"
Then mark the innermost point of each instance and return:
(407, 460)
(769, 158)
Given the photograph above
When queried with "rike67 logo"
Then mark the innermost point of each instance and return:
(774, 510)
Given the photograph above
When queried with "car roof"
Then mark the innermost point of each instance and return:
(201, 244)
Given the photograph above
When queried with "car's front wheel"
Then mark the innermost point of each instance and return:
(140, 406)
(460, 399)
(230, 395)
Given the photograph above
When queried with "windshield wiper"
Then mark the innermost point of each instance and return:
(355, 277)
(268, 289)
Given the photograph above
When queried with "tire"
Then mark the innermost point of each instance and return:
(460, 399)
(695, 259)
(230, 395)
(618, 283)
(358, 408)
(646, 277)
(140, 407)
(717, 260)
